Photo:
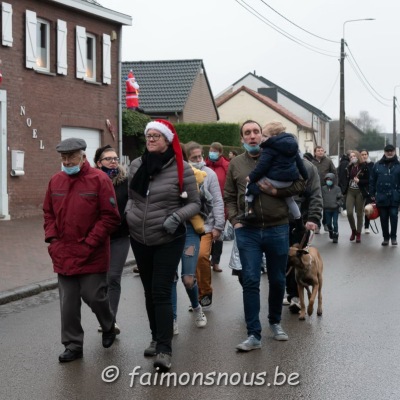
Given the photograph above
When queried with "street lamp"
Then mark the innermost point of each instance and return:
(342, 113)
(394, 116)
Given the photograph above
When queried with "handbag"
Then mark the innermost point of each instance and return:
(371, 211)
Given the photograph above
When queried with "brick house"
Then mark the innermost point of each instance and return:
(60, 78)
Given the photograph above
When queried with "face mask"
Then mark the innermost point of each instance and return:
(329, 183)
(354, 160)
(213, 156)
(253, 150)
(111, 172)
(197, 165)
(71, 170)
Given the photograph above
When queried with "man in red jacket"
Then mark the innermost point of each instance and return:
(80, 212)
(219, 164)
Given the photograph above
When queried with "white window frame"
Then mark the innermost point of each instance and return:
(92, 63)
(82, 61)
(46, 67)
(31, 42)
(6, 20)
(62, 64)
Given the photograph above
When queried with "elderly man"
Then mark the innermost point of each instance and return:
(268, 234)
(80, 212)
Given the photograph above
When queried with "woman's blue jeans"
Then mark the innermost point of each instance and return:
(252, 243)
(189, 261)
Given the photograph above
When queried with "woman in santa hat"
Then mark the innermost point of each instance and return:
(162, 196)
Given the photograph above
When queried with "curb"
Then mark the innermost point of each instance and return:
(35, 288)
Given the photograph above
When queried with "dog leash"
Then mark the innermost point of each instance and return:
(304, 238)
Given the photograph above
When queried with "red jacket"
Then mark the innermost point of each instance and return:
(80, 211)
(220, 167)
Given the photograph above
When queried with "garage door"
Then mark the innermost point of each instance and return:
(91, 137)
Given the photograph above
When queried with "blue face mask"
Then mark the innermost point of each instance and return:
(213, 155)
(329, 183)
(253, 150)
(71, 170)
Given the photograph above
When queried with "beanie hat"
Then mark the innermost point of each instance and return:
(168, 131)
(99, 152)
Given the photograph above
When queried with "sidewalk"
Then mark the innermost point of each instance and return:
(25, 266)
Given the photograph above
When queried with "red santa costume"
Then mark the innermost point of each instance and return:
(132, 92)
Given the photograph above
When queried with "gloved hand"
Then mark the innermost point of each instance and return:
(171, 223)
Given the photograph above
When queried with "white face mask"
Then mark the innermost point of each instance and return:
(354, 160)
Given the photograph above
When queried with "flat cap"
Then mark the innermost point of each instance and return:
(389, 147)
(70, 145)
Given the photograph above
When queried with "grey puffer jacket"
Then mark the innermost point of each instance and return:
(146, 215)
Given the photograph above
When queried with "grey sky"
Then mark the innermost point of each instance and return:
(233, 42)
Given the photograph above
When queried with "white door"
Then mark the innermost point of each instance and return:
(90, 136)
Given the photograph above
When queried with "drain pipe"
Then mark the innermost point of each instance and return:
(120, 95)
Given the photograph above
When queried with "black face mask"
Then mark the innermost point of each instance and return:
(111, 172)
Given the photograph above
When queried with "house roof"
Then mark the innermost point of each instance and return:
(95, 8)
(164, 85)
(289, 95)
(271, 104)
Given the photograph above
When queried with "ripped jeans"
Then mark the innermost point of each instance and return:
(189, 261)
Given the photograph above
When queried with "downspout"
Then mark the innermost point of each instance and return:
(177, 116)
(120, 94)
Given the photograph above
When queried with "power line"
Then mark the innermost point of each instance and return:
(331, 91)
(366, 80)
(282, 32)
(364, 84)
(287, 19)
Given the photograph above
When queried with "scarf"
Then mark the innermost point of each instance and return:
(152, 164)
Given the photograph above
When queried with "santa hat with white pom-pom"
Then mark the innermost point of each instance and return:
(167, 129)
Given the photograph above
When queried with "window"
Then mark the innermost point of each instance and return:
(42, 45)
(37, 42)
(85, 55)
(90, 57)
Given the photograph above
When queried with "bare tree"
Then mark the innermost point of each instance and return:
(366, 123)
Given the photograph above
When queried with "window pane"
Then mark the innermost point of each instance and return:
(42, 45)
(91, 57)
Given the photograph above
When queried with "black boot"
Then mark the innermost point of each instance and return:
(335, 237)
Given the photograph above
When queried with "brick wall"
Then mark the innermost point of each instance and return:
(51, 102)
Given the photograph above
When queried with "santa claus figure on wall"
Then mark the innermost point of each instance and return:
(132, 92)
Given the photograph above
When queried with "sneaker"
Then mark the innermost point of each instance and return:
(394, 242)
(201, 319)
(294, 306)
(344, 213)
(385, 242)
(150, 351)
(278, 332)
(206, 302)
(163, 362)
(251, 343)
(190, 309)
(367, 231)
(176, 330)
(326, 228)
(116, 327)
(285, 302)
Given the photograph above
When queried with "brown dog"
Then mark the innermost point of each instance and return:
(308, 267)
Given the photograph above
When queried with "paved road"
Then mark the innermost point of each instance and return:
(352, 352)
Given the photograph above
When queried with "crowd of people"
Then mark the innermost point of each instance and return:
(171, 208)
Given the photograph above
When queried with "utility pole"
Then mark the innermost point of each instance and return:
(342, 114)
